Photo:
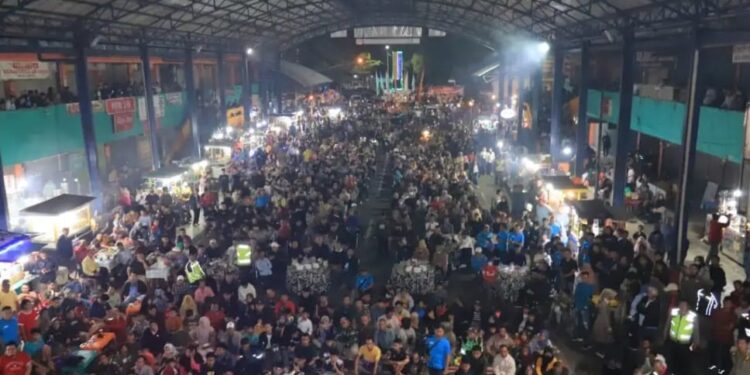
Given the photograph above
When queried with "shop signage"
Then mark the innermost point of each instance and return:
(24, 70)
(741, 53)
(120, 105)
(236, 116)
(123, 122)
(174, 98)
(606, 109)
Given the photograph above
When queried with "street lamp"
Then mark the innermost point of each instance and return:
(249, 51)
(387, 47)
(360, 61)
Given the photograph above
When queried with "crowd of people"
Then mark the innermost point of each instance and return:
(302, 200)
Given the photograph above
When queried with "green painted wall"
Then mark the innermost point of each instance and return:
(31, 134)
(721, 132)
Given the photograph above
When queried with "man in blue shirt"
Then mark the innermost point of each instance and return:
(9, 326)
(582, 294)
(516, 241)
(484, 238)
(501, 248)
(439, 351)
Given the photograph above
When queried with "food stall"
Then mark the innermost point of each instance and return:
(219, 155)
(171, 177)
(562, 187)
(14, 250)
(594, 214)
(733, 239)
(47, 219)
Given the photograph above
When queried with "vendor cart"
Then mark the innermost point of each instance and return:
(561, 187)
(219, 155)
(14, 251)
(47, 219)
(594, 215)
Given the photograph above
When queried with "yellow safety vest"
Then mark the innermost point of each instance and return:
(194, 272)
(681, 326)
(244, 253)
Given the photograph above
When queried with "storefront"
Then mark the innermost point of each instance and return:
(48, 219)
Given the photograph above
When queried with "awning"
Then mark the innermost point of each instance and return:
(58, 205)
(303, 75)
(597, 209)
(170, 171)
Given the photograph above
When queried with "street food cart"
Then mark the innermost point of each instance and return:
(47, 219)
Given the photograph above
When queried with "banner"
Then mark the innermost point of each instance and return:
(158, 107)
(236, 117)
(74, 108)
(24, 70)
(123, 122)
(120, 105)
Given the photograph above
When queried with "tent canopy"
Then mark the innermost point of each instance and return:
(303, 75)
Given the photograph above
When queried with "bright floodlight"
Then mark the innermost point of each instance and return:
(387, 47)
(543, 47)
(499, 144)
(249, 51)
(567, 151)
(737, 193)
(497, 105)
(356, 76)
(507, 113)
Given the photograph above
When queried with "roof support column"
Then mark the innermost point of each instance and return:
(689, 141)
(220, 73)
(536, 97)
(247, 95)
(87, 118)
(582, 130)
(622, 143)
(153, 122)
(501, 86)
(522, 94)
(191, 102)
(3, 201)
(556, 106)
(277, 97)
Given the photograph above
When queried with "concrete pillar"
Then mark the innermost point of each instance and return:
(622, 143)
(87, 118)
(152, 120)
(582, 131)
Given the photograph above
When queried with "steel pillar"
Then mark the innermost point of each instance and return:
(221, 77)
(689, 141)
(556, 106)
(501, 86)
(247, 94)
(622, 143)
(4, 218)
(582, 130)
(152, 120)
(519, 107)
(87, 119)
(536, 97)
(191, 101)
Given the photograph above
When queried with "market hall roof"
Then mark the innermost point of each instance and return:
(235, 23)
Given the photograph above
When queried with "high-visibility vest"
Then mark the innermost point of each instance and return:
(243, 254)
(194, 272)
(681, 326)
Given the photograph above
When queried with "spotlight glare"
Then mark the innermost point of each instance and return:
(543, 47)
(567, 151)
(249, 51)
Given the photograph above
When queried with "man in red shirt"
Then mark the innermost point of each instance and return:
(14, 362)
(28, 318)
(489, 273)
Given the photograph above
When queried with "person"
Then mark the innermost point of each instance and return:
(682, 336)
(13, 361)
(368, 358)
(9, 327)
(438, 351)
(8, 297)
(503, 363)
(396, 358)
(545, 361)
(65, 246)
(723, 325)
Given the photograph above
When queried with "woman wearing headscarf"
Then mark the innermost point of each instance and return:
(188, 304)
(203, 333)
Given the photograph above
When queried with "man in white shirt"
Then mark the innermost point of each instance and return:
(244, 290)
(304, 324)
(504, 364)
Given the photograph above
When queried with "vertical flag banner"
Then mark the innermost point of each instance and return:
(399, 65)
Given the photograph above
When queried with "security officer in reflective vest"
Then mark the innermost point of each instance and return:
(193, 270)
(243, 254)
(683, 337)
